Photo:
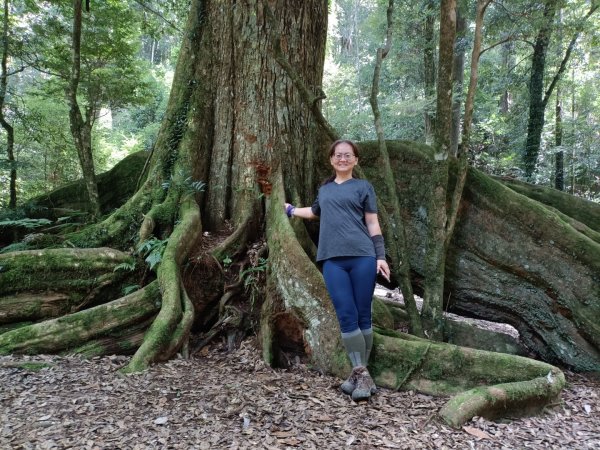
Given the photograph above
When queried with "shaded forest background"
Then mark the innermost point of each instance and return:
(129, 50)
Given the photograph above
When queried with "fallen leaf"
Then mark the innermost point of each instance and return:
(161, 420)
(477, 432)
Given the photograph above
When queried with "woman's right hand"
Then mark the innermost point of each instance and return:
(289, 209)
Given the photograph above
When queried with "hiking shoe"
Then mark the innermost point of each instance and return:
(349, 385)
(365, 386)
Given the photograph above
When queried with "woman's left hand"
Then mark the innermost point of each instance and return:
(383, 269)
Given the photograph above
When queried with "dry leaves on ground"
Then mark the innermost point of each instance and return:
(233, 401)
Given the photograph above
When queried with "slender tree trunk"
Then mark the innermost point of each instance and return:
(559, 170)
(429, 69)
(393, 219)
(507, 50)
(10, 133)
(539, 99)
(80, 129)
(459, 75)
(536, 90)
(437, 216)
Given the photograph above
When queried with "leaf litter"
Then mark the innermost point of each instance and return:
(232, 400)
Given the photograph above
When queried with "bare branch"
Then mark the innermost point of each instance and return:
(156, 13)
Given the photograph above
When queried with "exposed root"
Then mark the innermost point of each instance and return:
(160, 341)
(488, 384)
(502, 400)
(38, 284)
(70, 331)
(295, 285)
(121, 341)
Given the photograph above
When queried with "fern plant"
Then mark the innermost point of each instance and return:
(152, 250)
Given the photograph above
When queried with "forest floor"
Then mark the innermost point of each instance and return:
(232, 400)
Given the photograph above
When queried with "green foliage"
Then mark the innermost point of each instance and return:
(126, 267)
(227, 261)
(26, 223)
(188, 185)
(254, 281)
(120, 91)
(497, 141)
(130, 289)
(250, 275)
(152, 250)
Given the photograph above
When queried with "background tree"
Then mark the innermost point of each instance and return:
(8, 128)
(104, 71)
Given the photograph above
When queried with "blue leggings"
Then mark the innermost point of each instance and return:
(350, 281)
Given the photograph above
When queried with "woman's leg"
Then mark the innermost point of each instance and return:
(339, 286)
(363, 276)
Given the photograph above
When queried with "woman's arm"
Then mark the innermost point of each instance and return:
(372, 224)
(375, 232)
(303, 213)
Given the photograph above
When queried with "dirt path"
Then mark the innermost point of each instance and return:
(233, 401)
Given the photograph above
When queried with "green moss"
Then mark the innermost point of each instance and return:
(13, 326)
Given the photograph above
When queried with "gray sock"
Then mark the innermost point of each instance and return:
(368, 337)
(355, 346)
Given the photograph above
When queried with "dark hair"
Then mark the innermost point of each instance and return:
(332, 148)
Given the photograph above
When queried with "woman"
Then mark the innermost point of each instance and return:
(352, 250)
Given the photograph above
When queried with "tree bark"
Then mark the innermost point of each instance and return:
(437, 215)
(429, 69)
(559, 164)
(10, 133)
(459, 76)
(81, 130)
(538, 99)
(536, 89)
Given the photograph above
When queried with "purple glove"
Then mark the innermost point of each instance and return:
(289, 210)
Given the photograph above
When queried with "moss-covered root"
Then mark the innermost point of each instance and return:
(487, 383)
(159, 340)
(182, 331)
(501, 400)
(297, 307)
(72, 330)
(70, 270)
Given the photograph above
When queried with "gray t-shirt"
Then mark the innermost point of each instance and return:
(342, 208)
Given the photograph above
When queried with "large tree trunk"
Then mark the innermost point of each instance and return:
(238, 121)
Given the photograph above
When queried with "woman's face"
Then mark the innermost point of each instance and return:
(343, 159)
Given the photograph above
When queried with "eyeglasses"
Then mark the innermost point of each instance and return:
(346, 156)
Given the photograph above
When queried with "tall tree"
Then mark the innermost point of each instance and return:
(437, 215)
(93, 62)
(458, 71)
(538, 97)
(10, 133)
(429, 68)
(81, 129)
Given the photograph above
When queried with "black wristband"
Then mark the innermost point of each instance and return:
(379, 246)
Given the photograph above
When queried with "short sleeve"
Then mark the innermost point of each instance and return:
(370, 199)
(316, 207)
